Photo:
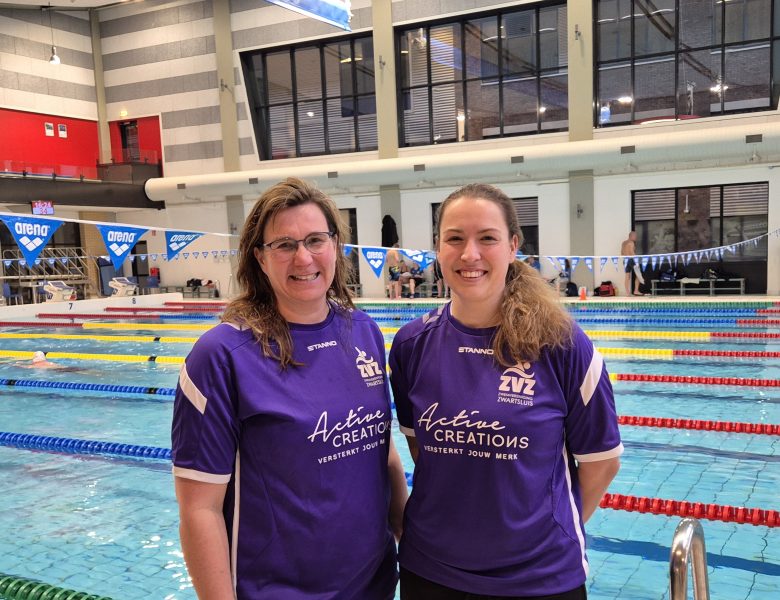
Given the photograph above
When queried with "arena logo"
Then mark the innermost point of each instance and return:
(178, 240)
(31, 234)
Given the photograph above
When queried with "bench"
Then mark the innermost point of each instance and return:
(687, 285)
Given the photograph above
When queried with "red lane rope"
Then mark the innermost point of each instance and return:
(698, 510)
(744, 334)
(195, 303)
(735, 426)
(728, 353)
(37, 324)
(87, 316)
(768, 311)
(167, 309)
(749, 382)
(773, 322)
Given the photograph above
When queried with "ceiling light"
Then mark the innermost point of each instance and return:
(542, 110)
(310, 114)
(53, 59)
(625, 99)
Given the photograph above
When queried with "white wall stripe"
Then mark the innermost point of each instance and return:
(161, 70)
(592, 377)
(196, 398)
(152, 37)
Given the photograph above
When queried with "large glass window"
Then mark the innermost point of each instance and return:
(493, 75)
(315, 98)
(683, 59)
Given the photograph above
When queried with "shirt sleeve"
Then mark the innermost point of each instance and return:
(591, 423)
(400, 387)
(205, 426)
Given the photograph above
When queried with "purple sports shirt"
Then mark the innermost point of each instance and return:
(304, 453)
(495, 507)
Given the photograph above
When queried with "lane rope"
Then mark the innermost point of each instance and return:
(698, 510)
(700, 425)
(193, 316)
(694, 379)
(131, 358)
(88, 387)
(99, 338)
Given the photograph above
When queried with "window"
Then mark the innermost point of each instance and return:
(494, 75)
(698, 218)
(312, 99)
(527, 210)
(682, 59)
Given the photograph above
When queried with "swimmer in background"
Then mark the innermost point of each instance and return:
(39, 361)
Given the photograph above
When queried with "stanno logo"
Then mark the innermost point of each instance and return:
(470, 350)
(321, 345)
(369, 369)
(517, 385)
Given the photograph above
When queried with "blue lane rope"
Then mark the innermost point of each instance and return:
(77, 446)
(698, 322)
(29, 441)
(91, 387)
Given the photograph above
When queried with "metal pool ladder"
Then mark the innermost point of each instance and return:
(688, 542)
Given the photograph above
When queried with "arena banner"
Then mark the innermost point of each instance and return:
(31, 234)
(376, 259)
(119, 240)
(334, 12)
(421, 257)
(176, 241)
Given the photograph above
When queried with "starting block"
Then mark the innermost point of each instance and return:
(58, 291)
(122, 286)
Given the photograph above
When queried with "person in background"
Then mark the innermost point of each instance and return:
(287, 479)
(516, 445)
(394, 262)
(628, 248)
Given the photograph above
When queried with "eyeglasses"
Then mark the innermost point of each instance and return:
(287, 247)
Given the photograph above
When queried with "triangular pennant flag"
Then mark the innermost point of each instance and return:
(31, 234)
(625, 263)
(653, 262)
(686, 259)
(176, 241)
(223, 253)
(7, 263)
(37, 261)
(132, 257)
(376, 259)
(347, 250)
(589, 262)
(51, 261)
(575, 260)
(186, 255)
(22, 262)
(602, 262)
(64, 260)
(195, 254)
(119, 240)
(204, 254)
(562, 262)
(215, 253)
(644, 262)
(154, 257)
(552, 261)
(418, 256)
(143, 257)
(233, 252)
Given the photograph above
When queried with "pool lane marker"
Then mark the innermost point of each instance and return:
(713, 512)
(26, 354)
(22, 588)
(99, 338)
(698, 510)
(88, 387)
(99, 325)
(84, 316)
(162, 309)
(694, 379)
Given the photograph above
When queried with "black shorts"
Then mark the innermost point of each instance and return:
(414, 587)
(630, 265)
(436, 271)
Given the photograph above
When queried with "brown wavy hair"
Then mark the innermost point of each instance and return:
(532, 317)
(256, 307)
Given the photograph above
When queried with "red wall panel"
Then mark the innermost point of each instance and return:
(149, 142)
(24, 144)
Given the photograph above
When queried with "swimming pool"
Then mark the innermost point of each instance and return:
(109, 525)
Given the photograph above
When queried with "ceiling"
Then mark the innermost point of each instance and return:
(61, 4)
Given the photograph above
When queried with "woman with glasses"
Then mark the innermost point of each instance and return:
(287, 479)
(510, 419)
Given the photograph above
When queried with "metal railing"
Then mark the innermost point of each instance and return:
(55, 263)
(687, 545)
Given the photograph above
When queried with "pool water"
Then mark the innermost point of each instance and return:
(109, 525)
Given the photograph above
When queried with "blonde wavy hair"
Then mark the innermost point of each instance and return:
(256, 307)
(532, 317)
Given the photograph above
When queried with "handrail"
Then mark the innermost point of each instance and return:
(688, 542)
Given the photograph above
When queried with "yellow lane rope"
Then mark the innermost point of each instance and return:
(99, 338)
(27, 355)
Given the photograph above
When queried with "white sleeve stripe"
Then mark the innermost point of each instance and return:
(407, 430)
(193, 394)
(200, 475)
(575, 514)
(597, 456)
(592, 377)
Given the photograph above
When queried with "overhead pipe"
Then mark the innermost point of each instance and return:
(659, 148)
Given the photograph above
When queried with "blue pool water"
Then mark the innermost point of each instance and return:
(109, 526)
